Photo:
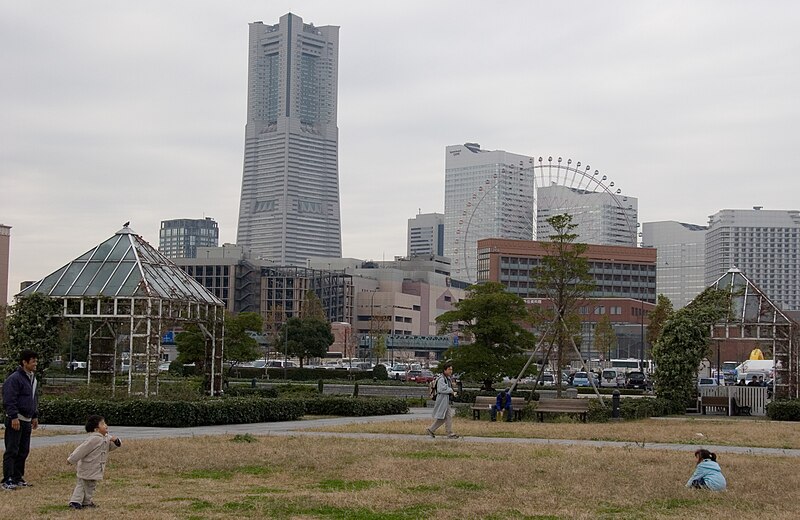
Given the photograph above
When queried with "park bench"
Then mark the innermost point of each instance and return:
(484, 403)
(712, 401)
(580, 407)
(740, 410)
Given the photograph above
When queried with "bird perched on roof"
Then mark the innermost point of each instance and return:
(128, 223)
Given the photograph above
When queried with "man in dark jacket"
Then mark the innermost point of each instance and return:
(22, 416)
(503, 404)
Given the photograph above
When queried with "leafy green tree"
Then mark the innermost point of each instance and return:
(191, 345)
(605, 339)
(562, 276)
(379, 347)
(658, 318)
(305, 338)
(34, 323)
(492, 317)
(241, 347)
(683, 344)
(3, 333)
(75, 340)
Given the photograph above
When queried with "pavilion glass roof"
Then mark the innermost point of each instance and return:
(748, 303)
(125, 265)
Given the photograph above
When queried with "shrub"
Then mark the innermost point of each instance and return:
(784, 410)
(630, 409)
(380, 373)
(294, 391)
(180, 390)
(246, 391)
(170, 414)
(642, 408)
(354, 407)
(299, 374)
(597, 412)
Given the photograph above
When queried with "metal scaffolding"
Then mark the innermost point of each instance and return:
(132, 295)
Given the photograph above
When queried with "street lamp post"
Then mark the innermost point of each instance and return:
(285, 345)
(372, 322)
(641, 330)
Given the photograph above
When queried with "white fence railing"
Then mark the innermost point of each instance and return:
(753, 396)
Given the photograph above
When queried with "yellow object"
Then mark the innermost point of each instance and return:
(756, 354)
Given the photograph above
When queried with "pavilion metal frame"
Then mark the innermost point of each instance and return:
(754, 317)
(132, 295)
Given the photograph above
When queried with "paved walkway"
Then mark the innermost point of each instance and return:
(299, 428)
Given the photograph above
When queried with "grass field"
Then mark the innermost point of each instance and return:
(723, 431)
(329, 478)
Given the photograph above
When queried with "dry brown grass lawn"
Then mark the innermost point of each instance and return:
(760, 433)
(46, 430)
(328, 478)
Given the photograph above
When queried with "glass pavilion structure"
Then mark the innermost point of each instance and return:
(132, 295)
(753, 316)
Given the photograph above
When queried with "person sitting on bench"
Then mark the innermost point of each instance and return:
(503, 403)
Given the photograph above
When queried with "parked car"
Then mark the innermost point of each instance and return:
(398, 372)
(426, 376)
(420, 376)
(638, 380)
(581, 379)
(279, 363)
(548, 380)
(707, 382)
(612, 378)
(76, 365)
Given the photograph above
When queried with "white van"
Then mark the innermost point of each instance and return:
(279, 363)
(612, 378)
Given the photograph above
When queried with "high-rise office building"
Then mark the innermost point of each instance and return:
(180, 238)
(486, 195)
(426, 235)
(681, 250)
(601, 218)
(763, 244)
(5, 248)
(289, 209)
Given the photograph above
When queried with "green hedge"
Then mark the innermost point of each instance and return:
(354, 407)
(226, 410)
(784, 410)
(631, 409)
(170, 414)
(283, 390)
(247, 391)
(298, 374)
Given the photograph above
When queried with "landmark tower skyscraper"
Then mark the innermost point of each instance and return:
(289, 209)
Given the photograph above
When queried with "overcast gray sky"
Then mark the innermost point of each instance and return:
(117, 111)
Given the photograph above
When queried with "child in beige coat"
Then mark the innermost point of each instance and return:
(91, 457)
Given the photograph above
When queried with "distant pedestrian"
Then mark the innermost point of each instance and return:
(707, 473)
(91, 457)
(442, 412)
(503, 404)
(21, 405)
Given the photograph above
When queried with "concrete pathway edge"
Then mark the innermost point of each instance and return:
(298, 428)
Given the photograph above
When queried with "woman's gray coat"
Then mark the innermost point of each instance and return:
(443, 392)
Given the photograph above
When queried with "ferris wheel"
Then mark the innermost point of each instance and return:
(525, 195)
